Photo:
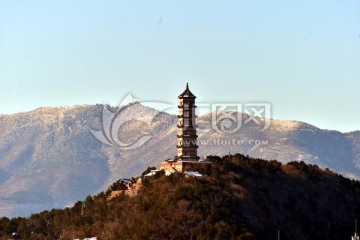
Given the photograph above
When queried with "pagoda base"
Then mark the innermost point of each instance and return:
(182, 165)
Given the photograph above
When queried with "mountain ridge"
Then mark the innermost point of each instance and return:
(50, 151)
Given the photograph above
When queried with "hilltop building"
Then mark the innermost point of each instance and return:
(187, 158)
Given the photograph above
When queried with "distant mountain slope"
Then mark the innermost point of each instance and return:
(49, 157)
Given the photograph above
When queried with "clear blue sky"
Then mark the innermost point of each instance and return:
(301, 56)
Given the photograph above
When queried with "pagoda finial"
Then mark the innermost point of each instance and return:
(187, 93)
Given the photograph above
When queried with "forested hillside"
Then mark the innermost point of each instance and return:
(237, 198)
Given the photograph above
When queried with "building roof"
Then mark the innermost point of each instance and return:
(187, 93)
(192, 174)
(152, 173)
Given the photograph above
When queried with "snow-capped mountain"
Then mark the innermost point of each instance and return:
(50, 158)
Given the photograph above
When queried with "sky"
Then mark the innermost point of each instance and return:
(302, 57)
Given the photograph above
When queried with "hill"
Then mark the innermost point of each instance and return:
(49, 157)
(240, 198)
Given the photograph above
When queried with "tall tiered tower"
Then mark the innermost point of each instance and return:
(187, 159)
(186, 134)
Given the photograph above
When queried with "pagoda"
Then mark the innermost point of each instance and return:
(186, 158)
(186, 133)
